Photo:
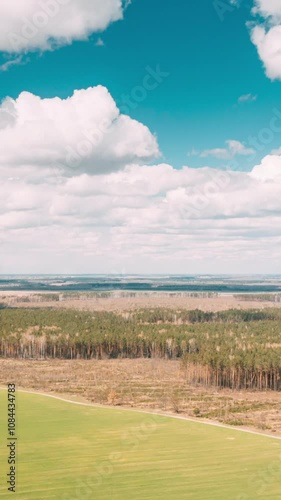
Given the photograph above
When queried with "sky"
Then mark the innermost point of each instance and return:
(140, 136)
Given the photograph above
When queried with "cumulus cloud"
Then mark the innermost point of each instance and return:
(266, 36)
(143, 219)
(78, 195)
(269, 169)
(268, 8)
(47, 24)
(85, 132)
(233, 149)
(268, 44)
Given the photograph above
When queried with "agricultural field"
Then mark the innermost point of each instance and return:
(68, 451)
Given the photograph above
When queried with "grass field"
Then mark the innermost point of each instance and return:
(68, 452)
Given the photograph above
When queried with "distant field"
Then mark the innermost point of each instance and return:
(128, 301)
(68, 452)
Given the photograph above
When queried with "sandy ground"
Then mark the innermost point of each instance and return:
(141, 300)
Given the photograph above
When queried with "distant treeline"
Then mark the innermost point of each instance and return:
(235, 349)
(259, 297)
(66, 296)
(197, 316)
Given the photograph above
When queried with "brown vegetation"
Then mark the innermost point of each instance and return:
(221, 354)
(118, 302)
(147, 384)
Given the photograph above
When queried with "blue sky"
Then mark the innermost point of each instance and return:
(211, 64)
(186, 178)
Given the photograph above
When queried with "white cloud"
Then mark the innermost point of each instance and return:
(269, 169)
(268, 44)
(276, 151)
(233, 149)
(247, 98)
(11, 62)
(237, 148)
(219, 153)
(47, 24)
(267, 36)
(268, 8)
(114, 212)
(85, 132)
(143, 219)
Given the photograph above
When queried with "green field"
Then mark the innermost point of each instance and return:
(68, 452)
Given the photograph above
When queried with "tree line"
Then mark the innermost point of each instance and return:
(234, 349)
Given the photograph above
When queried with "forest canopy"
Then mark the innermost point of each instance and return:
(235, 348)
